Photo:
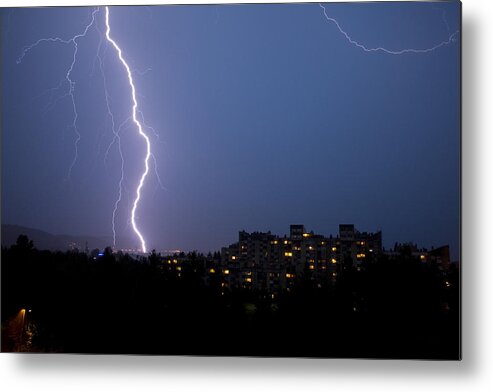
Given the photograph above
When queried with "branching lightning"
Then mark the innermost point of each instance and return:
(139, 126)
(71, 83)
(116, 140)
(452, 38)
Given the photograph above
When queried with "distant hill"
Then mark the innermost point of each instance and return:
(43, 240)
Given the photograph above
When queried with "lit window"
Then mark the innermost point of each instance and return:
(178, 268)
(311, 266)
(233, 257)
(212, 271)
(249, 280)
(285, 242)
(310, 247)
(311, 261)
(306, 235)
(288, 254)
(334, 249)
(334, 274)
(175, 261)
(226, 272)
(422, 257)
(333, 261)
(289, 276)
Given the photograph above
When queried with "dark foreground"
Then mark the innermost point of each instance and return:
(71, 303)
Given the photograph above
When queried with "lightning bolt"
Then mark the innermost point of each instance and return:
(452, 38)
(136, 114)
(140, 128)
(71, 83)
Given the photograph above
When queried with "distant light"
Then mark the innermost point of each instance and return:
(249, 280)
(311, 266)
(333, 261)
(288, 254)
(226, 272)
(422, 257)
(212, 271)
(100, 254)
(334, 249)
(285, 242)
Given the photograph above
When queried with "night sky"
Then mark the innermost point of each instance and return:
(266, 115)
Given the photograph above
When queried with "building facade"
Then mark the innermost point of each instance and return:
(270, 263)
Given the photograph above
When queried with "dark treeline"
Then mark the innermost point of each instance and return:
(397, 308)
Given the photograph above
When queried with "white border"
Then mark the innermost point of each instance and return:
(127, 373)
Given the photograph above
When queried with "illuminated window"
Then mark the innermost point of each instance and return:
(285, 242)
(226, 272)
(422, 257)
(178, 268)
(306, 235)
(249, 280)
(311, 261)
(333, 261)
(212, 271)
(175, 261)
(311, 266)
(289, 276)
(334, 274)
(310, 247)
(233, 257)
(334, 249)
(288, 254)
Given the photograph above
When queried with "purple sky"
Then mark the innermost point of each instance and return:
(266, 116)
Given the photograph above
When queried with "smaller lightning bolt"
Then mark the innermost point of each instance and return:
(71, 83)
(139, 126)
(452, 38)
